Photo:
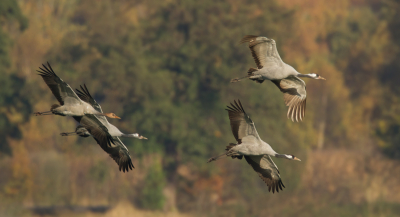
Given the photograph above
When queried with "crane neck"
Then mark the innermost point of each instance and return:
(286, 156)
(310, 75)
(135, 135)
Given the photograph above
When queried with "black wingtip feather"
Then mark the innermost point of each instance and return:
(230, 109)
(233, 108)
(86, 91)
(109, 141)
(236, 107)
(51, 69)
(239, 107)
(125, 166)
(46, 71)
(247, 38)
(85, 95)
(79, 92)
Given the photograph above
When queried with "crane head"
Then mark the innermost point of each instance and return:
(319, 77)
(295, 158)
(311, 75)
(111, 115)
(316, 76)
(292, 157)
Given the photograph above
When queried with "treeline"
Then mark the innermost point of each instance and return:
(165, 67)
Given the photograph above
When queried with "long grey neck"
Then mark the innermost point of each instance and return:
(306, 75)
(135, 135)
(283, 156)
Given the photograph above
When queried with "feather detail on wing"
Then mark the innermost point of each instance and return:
(110, 144)
(120, 154)
(58, 87)
(267, 170)
(294, 95)
(263, 50)
(241, 124)
(85, 96)
(97, 129)
(231, 145)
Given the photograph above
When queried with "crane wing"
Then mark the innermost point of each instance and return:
(78, 118)
(110, 144)
(85, 96)
(263, 50)
(241, 124)
(295, 95)
(120, 154)
(58, 87)
(267, 170)
(97, 129)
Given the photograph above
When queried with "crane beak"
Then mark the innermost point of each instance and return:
(295, 158)
(117, 117)
(321, 78)
(142, 137)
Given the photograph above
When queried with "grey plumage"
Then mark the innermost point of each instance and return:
(110, 144)
(271, 67)
(70, 103)
(105, 134)
(79, 131)
(249, 144)
(84, 94)
(262, 165)
(294, 95)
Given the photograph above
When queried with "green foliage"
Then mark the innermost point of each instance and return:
(165, 67)
(98, 172)
(9, 10)
(331, 210)
(173, 68)
(12, 102)
(152, 196)
(387, 114)
(15, 104)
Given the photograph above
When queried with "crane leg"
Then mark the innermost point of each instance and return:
(68, 134)
(217, 157)
(239, 79)
(43, 113)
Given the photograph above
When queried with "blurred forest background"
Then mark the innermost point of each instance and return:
(165, 67)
